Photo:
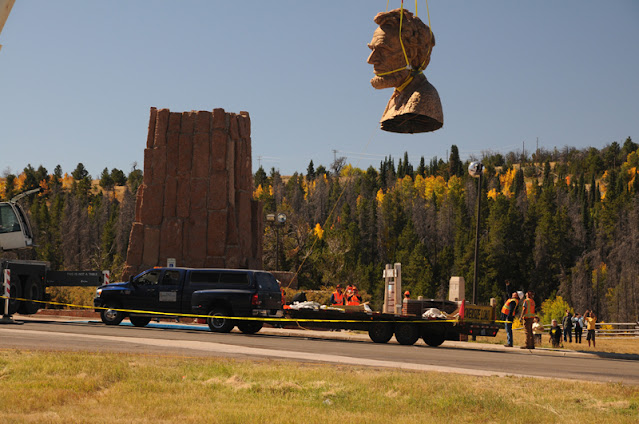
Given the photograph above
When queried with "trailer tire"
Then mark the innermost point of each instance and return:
(406, 334)
(433, 339)
(380, 332)
(138, 321)
(250, 327)
(15, 292)
(32, 290)
(111, 317)
(220, 325)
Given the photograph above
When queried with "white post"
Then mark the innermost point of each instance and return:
(107, 276)
(7, 290)
(398, 289)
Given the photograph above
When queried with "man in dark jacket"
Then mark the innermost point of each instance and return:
(566, 323)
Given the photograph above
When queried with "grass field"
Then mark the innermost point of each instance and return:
(54, 387)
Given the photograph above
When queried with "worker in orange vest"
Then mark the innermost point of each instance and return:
(354, 299)
(508, 314)
(528, 315)
(338, 298)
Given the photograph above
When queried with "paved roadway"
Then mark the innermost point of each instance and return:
(309, 346)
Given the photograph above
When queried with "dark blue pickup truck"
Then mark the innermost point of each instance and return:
(201, 291)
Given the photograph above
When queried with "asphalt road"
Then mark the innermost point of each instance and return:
(314, 346)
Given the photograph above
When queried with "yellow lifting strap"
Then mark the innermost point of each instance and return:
(419, 70)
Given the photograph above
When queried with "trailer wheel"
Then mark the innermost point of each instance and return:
(16, 292)
(380, 332)
(138, 321)
(220, 325)
(110, 316)
(406, 334)
(433, 339)
(32, 290)
(250, 327)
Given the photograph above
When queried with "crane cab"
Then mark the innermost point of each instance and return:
(15, 231)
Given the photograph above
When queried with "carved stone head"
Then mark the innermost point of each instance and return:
(415, 105)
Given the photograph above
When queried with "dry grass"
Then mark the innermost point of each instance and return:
(51, 387)
(611, 345)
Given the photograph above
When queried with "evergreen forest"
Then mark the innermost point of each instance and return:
(563, 223)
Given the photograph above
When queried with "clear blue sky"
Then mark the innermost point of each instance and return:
(77, 78)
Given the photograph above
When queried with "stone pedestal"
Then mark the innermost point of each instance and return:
(195, 204)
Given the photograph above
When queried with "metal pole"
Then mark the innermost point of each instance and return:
(477, 238)
(277, 247)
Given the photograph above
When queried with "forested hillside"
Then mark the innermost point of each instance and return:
(562, 222)
(557, 222)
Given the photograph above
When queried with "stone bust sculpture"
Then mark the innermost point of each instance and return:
(414, 106)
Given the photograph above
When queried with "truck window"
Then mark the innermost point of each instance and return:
(267, 282)
(202, 280)
(234, 278)
(8, 220)
(148, 279)
(171, 278)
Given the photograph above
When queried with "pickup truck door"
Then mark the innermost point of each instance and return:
(144, 293)
(170, 296)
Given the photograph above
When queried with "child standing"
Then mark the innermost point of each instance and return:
(538, 330)
(555, 334)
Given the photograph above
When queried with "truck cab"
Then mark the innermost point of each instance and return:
(223, 293)
(15, 231)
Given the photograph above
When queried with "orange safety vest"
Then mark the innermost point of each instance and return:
(506, 308)
(354, 300)
(528, 308)
(338, 298)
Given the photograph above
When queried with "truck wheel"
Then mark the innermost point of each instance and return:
(380, 332)
(250, 327)
(111, 317)
(433, 339)
(32, 290)
(220, 325)
(139, 321)
(16, 292)
(406, 334)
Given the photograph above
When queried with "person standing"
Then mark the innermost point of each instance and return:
(591, 321)
(555, 334)
(527, 316)
(566, 323)
(538, 330)
(578, 323)
(354, 299)
(337, 298)
(508, 315)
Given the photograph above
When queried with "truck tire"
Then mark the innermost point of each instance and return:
(380, 332)
(138, 321)
(250, 327)
(15, 292)
(111, 317)
(406, 334)
(32, 290)
(220, 325)
(433, 339)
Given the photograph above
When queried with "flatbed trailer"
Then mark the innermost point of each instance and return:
(407, 329)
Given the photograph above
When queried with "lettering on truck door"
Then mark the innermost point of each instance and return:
(169, 299)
